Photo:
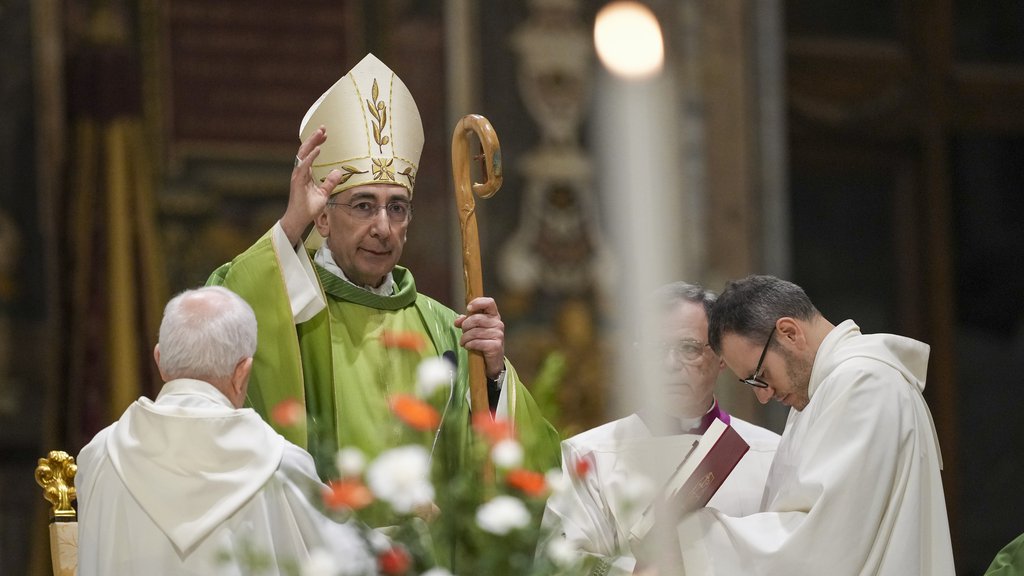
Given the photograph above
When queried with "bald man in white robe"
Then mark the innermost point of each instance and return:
(192, 483)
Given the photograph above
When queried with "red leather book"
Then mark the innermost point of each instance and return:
(709, 462)
(717, 453)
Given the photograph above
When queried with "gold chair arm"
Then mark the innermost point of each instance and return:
(56, 475)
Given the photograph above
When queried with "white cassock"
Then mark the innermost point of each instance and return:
(855, 486)
(627, 464)
(177, 482)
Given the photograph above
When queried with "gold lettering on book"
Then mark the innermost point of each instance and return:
(702, 485)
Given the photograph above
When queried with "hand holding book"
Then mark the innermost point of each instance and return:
(709, 462)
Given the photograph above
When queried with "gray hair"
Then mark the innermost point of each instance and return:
(750, 307)
(671, 294)
(205, 332)
(665, 299)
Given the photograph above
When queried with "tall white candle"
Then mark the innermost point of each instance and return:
(639, 167)
(639, 164)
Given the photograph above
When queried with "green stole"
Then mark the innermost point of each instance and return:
(289, 368)
(344, 345)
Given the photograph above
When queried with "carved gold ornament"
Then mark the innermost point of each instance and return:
(56, 475)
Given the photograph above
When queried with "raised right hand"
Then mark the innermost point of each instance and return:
(306, 196)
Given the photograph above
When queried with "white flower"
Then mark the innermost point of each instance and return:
(348, 555)
(357, 559)
(507, 454)
(319, 563)
(350, 462)
(557, 482)
(431, 374)
(401, 477)
(436, 572)
(378, 540)
(562, 553)
(502, 514)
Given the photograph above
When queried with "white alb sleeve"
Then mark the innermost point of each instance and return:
(300, 279)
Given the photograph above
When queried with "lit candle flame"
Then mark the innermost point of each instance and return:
(628, 40)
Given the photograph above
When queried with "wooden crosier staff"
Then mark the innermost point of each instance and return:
(465, 188)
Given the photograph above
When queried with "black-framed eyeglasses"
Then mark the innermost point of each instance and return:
(755, 378)
(398, 212)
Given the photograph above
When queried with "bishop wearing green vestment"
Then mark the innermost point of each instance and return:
(341, 326)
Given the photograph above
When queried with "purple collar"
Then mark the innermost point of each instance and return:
(706, 420)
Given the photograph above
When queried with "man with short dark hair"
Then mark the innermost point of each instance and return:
(855, 485)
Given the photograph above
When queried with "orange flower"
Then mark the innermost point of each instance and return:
(493, 430)
(405, 340)
(352, 494)
(582, 467)
(415, 412)
(287, 413)
(394, 561)
(528, 482)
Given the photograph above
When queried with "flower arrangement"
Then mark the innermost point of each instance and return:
(496, 522)
(486, 519)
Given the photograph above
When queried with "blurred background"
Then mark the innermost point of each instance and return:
(872, 152)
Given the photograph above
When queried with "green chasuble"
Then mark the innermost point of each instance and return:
(337, 367)
(1009, 561)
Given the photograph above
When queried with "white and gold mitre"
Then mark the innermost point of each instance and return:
(374, 132)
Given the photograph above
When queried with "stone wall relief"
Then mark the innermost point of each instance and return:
(556, 266)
